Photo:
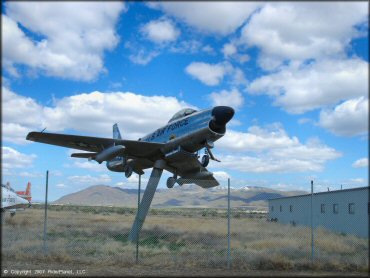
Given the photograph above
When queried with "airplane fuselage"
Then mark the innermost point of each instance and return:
(190, 133)
(11, 201)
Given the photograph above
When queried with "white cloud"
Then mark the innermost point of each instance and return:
(70, 48)
(88, 165)
(242, 58)
(231, 98)
(267, 164)
(270, 149)
(358, 181)
(221, 175)
(143, 57)
(17, 107)
(96, 112)
(220, 18)
(20, 116)
(238, 77)
(258, 139)
(55, 173)
(135, 179)
(298, 89)
(191, 47)
(209, 74)
(229, 49)
(133, 182)
(208, 49)
(361, 163)
(90, 180)
(302, 121)
(30, 175)
(350, 118)
(160, 31)
(11, 158)
(299, 31)
(92, 113)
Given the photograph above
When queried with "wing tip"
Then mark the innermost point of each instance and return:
(30, 136)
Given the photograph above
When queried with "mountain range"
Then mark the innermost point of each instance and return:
(250, 197)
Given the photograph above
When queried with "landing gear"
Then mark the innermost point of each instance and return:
(208, 154)
(171, 182)
(128, 171)
(205, 160)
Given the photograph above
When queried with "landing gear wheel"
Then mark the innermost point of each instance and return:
(128, 171)
(205, 160)
(171, 182)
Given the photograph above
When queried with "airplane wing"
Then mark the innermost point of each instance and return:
(95, 144)
(190, 169)
(205, 182)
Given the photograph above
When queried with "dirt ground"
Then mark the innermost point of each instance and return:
(83, 243)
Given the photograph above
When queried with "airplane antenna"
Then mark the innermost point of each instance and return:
(43, 130)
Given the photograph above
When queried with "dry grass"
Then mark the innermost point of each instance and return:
(98, 243)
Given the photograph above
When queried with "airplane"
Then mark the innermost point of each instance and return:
(11, 201)
(173, 147)
(177, 143)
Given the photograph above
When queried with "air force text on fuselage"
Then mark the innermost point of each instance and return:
(165, 130)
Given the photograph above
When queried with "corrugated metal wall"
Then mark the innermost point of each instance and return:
(342, 211)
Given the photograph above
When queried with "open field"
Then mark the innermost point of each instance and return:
(173, 242)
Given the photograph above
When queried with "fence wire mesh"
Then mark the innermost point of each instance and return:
(177, 240)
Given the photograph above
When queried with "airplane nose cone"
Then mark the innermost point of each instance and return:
(222, 114)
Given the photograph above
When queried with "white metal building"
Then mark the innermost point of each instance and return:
(343, 211)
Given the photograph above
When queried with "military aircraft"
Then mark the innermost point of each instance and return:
(174, 147)
(11, 201)
(176, 143)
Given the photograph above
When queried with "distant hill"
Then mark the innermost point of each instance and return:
(179, 196)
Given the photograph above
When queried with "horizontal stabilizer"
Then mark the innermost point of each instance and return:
(84, 155)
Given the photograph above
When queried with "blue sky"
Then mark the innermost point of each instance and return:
(296, 74)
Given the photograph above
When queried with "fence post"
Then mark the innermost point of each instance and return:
(312, 236)
(137, 231)
(228, 224)
(46, 210)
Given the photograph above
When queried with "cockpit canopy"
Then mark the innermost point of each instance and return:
(182, 113)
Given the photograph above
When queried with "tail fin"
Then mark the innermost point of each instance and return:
(28, 189)
(25, 194)
(116, 133)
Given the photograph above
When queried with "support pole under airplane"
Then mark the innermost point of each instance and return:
(146, 200)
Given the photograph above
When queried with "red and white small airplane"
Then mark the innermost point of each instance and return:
(12, 201)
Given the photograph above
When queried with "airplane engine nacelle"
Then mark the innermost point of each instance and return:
(109, 153)
(221, 115)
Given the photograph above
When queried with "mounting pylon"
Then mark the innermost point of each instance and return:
(143, 209)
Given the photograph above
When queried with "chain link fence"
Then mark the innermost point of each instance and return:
(94, 241)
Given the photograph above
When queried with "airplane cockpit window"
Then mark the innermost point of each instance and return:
(182, 113)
